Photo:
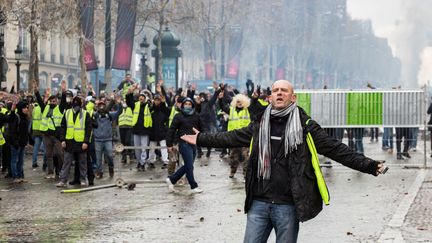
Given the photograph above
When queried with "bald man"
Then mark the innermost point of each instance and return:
(282, 188)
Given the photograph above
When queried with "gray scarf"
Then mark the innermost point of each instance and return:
(293, 136)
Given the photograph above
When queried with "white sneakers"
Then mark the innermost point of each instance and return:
(197, 190)
(61, 184)
(170, 185)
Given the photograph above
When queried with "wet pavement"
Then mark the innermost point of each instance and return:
(361, 208)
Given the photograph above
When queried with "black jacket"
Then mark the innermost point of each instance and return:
(305, 193)
(160, 118)
(181, 125)
(18, 129)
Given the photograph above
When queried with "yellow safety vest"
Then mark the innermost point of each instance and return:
(36, 117)
(263, 102)
(75, 129)
(322, 186)
(125, 118)
(90, 108)
(238, 120)
(172, 115)
(3, 111)
(147, 115)
(47, 123)
(125, 90)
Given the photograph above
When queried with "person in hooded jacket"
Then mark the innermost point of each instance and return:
(205, 108)
(183, 124)
(18, 129)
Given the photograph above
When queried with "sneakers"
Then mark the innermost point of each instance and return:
(399, 157)
(60, 184)
(197, 190)
(17, 181)
(83, 183)
(151, 166)
(50, 176)
(35, 165)
(170, 185)
(199, 155)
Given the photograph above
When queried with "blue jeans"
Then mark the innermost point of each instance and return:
(358, 136)
(17, 162)
(387, 140)
(36, 147)
(188, 153)
(263, 217)
(103, 148)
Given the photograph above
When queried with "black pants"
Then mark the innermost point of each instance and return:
(125, 139)
(90, 172)
(402, 132)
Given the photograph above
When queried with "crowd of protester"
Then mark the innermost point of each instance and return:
(73, 129)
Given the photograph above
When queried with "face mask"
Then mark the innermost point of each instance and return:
(124, 105)
(68, 99)
(188, 110)
(52, 106)
(76, 108)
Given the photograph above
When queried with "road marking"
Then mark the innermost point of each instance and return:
(392, 231)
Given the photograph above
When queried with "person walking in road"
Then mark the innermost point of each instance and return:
(284, 185)
(183, 123)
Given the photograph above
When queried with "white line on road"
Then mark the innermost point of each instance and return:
(392, 232)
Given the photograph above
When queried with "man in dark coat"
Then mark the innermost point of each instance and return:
(281, 186)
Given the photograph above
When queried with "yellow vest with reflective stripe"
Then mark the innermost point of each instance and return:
(36, 118)
(75, 129)
(263, 102)
(172, 115)
(47, 123)
(147, 115)
(238, 120)
(125, 118)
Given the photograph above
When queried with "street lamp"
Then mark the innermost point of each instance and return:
(144, 45)
(2, 42)
(18, 56)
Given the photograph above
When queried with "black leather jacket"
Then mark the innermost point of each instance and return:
(306, 196)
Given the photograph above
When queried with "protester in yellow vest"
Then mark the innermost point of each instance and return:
(125, 85)
(52, 114)
(125, 127)
(282, 174)
(141, 122)
(75, 133)
(37, 134)
(238, 118)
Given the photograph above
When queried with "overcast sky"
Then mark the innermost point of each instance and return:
(404, 23)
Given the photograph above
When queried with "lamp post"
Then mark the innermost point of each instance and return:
(2, 42)
(144, 45)
(18, 56)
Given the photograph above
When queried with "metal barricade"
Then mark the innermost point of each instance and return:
(400, 109)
